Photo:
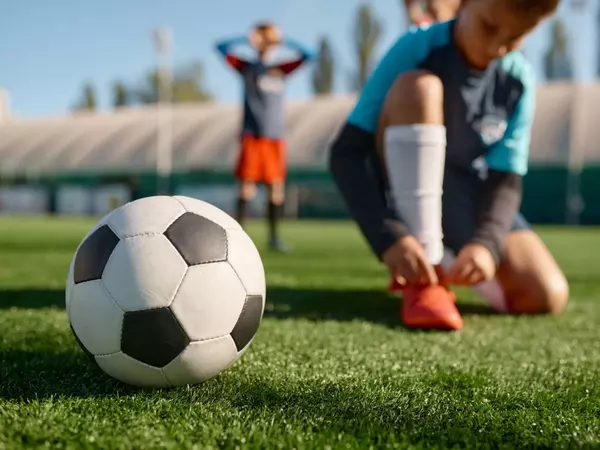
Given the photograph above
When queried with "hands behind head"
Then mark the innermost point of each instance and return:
(443, 10)
(424, 19)
(436, 11)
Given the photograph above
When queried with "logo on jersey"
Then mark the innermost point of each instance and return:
(492, 129)
(480, 167)
(271, 84)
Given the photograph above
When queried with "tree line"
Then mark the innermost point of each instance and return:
(187, 86)
(188, 81)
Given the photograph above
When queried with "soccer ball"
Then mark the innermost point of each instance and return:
(165, 291)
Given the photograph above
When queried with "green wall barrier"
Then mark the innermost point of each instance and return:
(544, 200)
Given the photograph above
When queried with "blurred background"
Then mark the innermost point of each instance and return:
(105, 102)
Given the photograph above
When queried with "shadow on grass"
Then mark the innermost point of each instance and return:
(32, 298)
(345, 305)
(325, 304)
(36, 375)
(284, 303)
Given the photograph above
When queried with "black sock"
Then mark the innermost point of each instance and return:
(242, 210)
(275, 212)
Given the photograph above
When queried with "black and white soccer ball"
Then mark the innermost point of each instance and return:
(165, 291)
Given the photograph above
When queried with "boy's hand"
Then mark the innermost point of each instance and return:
(443, 10)
(423, 19)
(408, 264)
(416, 13)
(474, 264)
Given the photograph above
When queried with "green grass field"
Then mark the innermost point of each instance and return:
(330, 367)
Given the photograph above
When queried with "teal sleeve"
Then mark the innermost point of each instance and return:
(511, 154)
(225, 46)
(406, 54)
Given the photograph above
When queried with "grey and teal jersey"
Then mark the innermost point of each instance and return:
(488, 114)
(264, 86)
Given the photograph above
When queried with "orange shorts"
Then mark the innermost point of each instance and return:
(261, 160)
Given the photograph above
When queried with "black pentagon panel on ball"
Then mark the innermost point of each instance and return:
(153, 337)
(93, 255)
(248, 322)
(198, 239)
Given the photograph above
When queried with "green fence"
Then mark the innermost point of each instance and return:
(546, 190)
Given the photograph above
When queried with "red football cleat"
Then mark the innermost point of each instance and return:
(428, 307)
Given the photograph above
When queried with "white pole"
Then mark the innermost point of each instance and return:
(164, 132)
(4, 105)
(582, 44)
(576, 157)
(581, 30)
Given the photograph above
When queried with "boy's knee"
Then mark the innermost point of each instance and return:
(554, 296)
(247, 190)
(415, 97)
(276, 193)
(548, 296)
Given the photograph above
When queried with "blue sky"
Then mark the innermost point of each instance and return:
(49, 48)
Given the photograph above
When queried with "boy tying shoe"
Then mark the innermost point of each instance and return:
(433, 155)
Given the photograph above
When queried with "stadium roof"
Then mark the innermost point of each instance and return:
(205, 136)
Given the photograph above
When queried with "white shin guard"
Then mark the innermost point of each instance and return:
(415, 157)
